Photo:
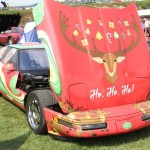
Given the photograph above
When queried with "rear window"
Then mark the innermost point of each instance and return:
(33, 60)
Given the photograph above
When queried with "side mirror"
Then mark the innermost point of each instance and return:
(9, 67)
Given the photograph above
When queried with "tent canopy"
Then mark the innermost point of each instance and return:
(144, 13)
(29, 34)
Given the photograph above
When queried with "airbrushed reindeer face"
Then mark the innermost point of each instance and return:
(110, 59)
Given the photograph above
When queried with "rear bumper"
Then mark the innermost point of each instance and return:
(95, 123)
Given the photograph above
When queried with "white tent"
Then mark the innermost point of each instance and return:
(29, 34)
(144, 13)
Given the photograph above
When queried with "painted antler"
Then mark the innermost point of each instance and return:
(109, 60)
(133, 43)
(63, 23)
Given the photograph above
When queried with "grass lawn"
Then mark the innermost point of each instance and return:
(15, 134)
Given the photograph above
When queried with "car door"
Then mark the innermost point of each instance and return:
(9, 75)
(3, 37)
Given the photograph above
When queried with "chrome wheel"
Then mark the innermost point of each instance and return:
(34, 113)
(36, 101)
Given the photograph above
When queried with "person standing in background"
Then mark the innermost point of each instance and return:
(143, 24)
(147, 26)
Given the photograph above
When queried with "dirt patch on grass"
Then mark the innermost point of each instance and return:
(26, 17)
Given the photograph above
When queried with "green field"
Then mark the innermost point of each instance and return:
(145, 4)
(15, 134)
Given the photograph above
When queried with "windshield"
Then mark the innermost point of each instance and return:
(33, 60)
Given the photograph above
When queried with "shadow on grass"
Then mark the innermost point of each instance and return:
(116, 140)
(15, 143)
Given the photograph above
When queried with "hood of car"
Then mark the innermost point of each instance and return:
(96, 55)
(10, 20)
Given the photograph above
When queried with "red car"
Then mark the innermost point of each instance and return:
(94, 80)
(11, 36)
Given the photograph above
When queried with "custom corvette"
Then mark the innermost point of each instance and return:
(99, 72)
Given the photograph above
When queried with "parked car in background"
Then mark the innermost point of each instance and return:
(11, 36)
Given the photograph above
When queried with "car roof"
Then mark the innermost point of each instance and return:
(27, 45)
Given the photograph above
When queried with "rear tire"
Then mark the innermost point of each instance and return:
(10, 41)
(36, 102)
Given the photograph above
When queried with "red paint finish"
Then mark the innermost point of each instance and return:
(77, 67)
(115, 121)
(103, 63)
(76, 91)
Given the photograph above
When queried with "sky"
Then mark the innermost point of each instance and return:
(19, 2)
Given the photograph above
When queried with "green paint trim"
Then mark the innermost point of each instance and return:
(56, 85)
(127, 125)
(21, 46)
(4, 90)
(38, 12)
(13, 83)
